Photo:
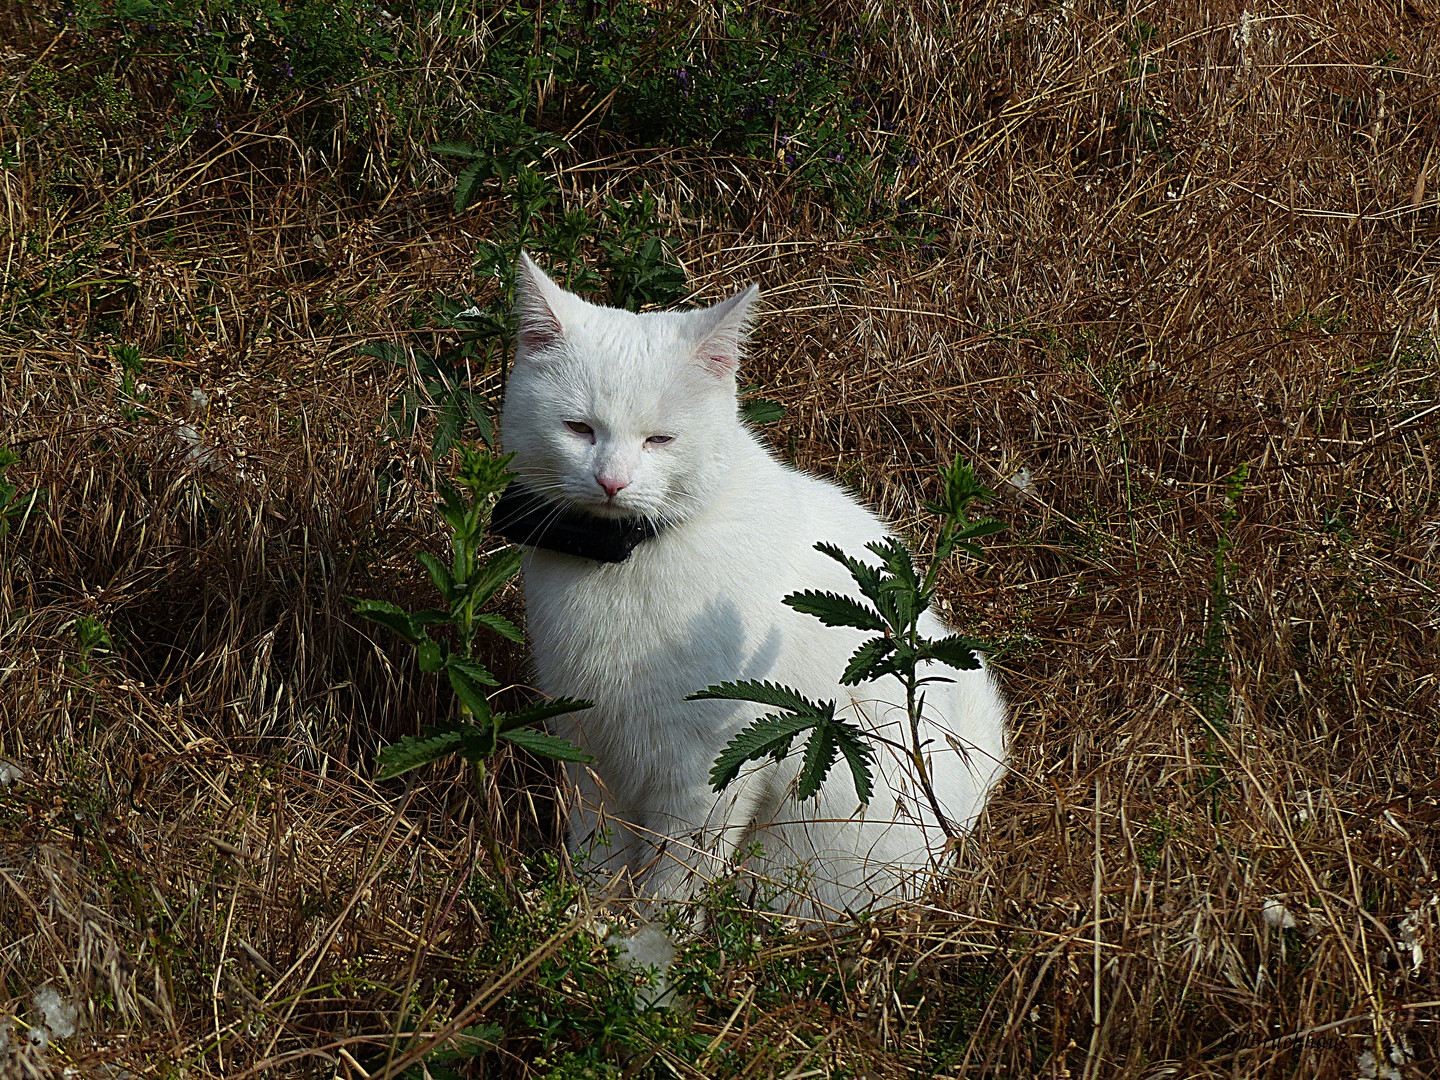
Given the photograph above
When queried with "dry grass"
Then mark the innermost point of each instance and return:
(1212, 250)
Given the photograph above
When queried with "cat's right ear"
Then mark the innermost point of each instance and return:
(725, 327)
(537, 298)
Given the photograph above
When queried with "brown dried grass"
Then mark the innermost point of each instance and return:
(1132, 305)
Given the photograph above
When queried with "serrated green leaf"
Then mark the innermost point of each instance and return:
(498, 569)
(760, 739)
(870, 661)
(537, 742)
(480, 418)
(865, 575)
(411, 753)
(472, 669)
(835, 610)
(439, 573)
(469, 689)
(907, 601)
(447, 431)
(761, 411)
(501, 625)
(959, 652)
(385, 350)
(387, 615)
(898, 561)
(452, 511)
(819, 756)
(763, 693)
(981, 527)
(470, 183)
(477, 742)
(430, 654)
(429, 617)
(539, 712)
(858, 755)
(457, 148)
(469, 1043)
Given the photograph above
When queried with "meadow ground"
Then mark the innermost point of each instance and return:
(1165, 274)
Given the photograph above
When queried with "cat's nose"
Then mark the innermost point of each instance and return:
(612, 487)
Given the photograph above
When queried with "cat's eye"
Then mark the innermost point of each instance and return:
(660, 440)
(578, 428)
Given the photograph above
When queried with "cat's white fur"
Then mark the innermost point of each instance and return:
(701, 604)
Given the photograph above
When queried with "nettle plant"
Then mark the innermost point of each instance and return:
(466, 585)
(898, 595)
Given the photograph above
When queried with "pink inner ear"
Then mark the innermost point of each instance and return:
(716, 361)
(719, 354)
(536, 325)
(538, 329)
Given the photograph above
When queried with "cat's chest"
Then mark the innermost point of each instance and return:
(650, 626)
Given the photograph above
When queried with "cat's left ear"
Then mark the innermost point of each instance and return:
(538, 302)
(725, 328)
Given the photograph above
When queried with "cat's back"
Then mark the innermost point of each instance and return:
(791, 511)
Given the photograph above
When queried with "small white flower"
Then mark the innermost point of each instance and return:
(1370, 1069)
(60, 1016)
(1246, 29)
(1410, 939)
(1277, 916)
(1021, 480)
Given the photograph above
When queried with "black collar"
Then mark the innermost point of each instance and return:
(523, 517)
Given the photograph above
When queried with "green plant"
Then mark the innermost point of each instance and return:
(218, 55)
(487, 163)
(440, 389)
(637, 264)
(466, 585)
(1206, 675)
(133, 392)
(759, 410)
(91, 637)
(777, 86)
(451, 1062)
(897, 597)
(483, 330)
(15, 506)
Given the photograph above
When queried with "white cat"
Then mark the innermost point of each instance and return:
(617, 417)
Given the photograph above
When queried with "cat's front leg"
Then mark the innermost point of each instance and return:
(600, 841)
(688, 839)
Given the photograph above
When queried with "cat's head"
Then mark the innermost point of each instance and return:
(622, 414)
